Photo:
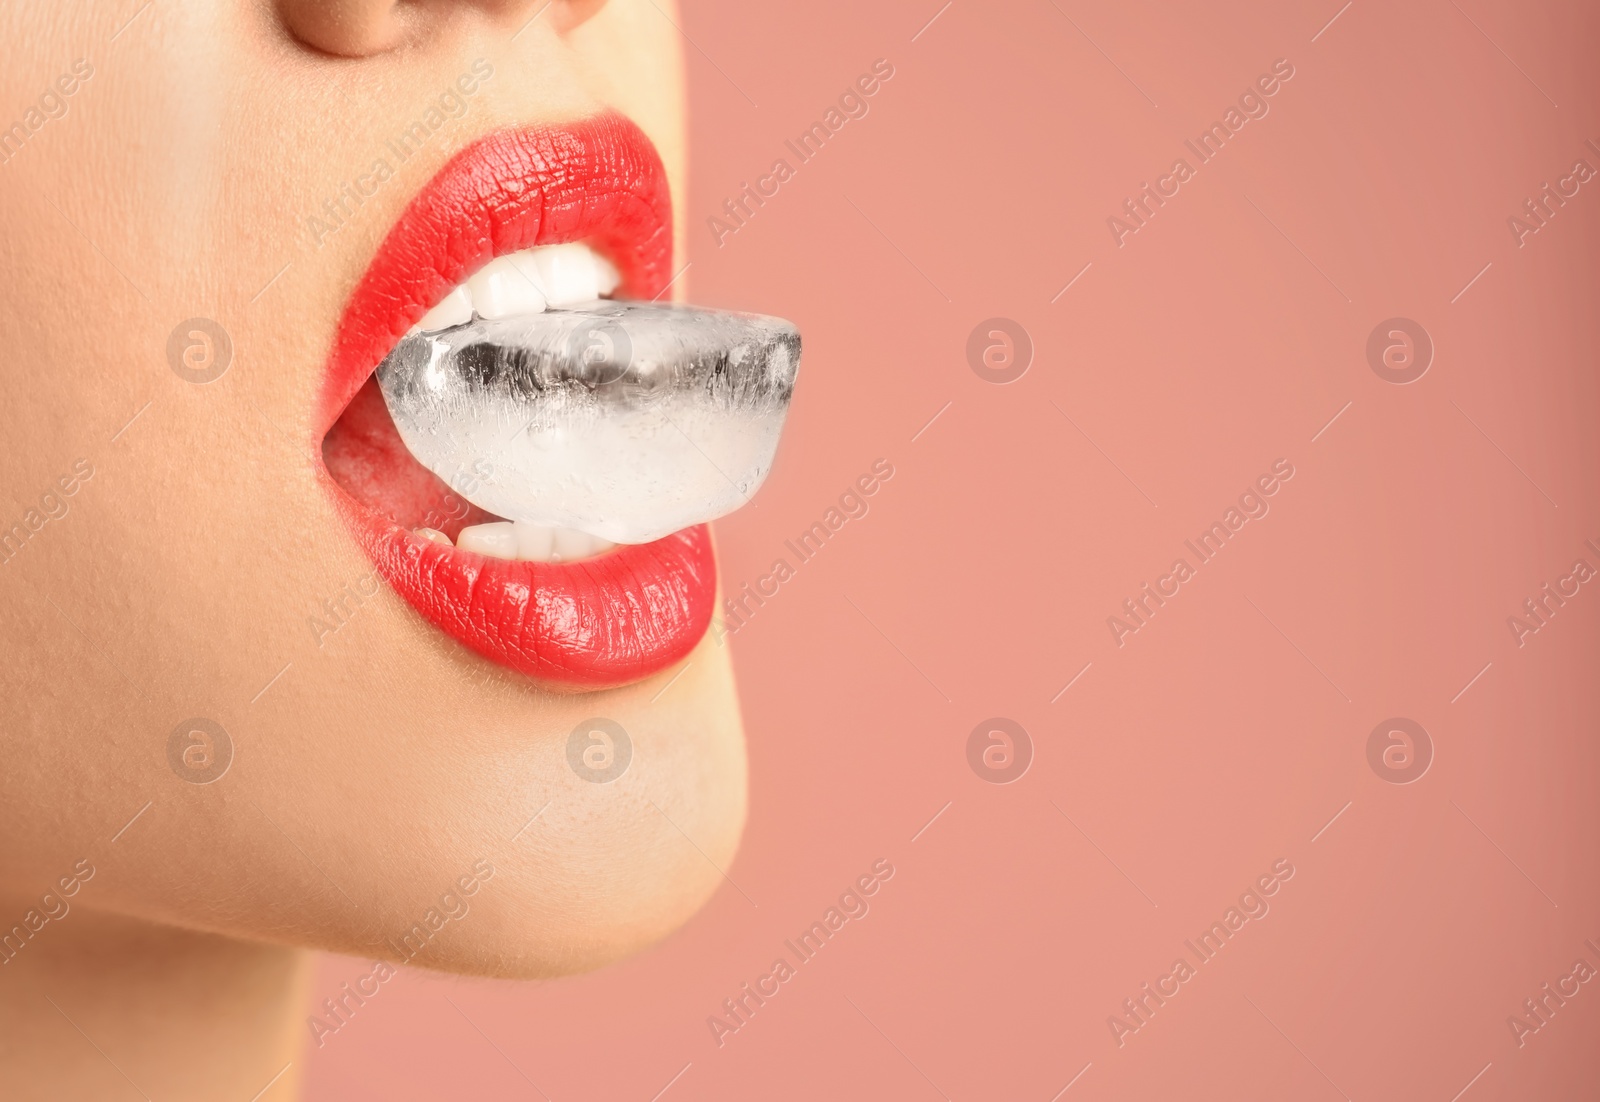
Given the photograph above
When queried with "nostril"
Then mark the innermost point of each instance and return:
(364, 28)
(349, 28)
(567, 14)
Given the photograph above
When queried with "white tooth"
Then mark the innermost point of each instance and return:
(434, 535)
(500, 290)
(572, 545)
(534, 542)
(498, 539)
(569, 273)
(609, 276)
(523, 263)
(453, 309)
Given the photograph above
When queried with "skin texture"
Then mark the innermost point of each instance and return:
(375, 766)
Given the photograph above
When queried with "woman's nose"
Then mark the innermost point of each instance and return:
(361, 28)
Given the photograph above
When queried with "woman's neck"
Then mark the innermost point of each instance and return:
(94, 1006)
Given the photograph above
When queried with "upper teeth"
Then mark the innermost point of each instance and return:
(525, 282)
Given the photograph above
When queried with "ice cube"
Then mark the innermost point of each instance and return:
(626, 420)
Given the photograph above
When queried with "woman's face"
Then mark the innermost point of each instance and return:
(199, 248)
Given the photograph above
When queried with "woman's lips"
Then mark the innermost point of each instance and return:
(598, 181)
(605, 621)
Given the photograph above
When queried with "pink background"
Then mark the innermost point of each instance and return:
(1231, 730)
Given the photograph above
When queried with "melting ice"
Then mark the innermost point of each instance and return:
(625, 420)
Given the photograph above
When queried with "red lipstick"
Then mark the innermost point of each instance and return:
(601, 622)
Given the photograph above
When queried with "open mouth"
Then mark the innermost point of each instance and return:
(525, 445)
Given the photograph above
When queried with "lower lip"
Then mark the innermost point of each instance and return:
(602, 622)
(606, 621)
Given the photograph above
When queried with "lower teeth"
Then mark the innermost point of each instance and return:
(504, 539)
(612, 422)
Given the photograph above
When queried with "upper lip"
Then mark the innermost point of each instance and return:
(605, 621)
(599, 181)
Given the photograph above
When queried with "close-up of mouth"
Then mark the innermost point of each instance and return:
(526, 443)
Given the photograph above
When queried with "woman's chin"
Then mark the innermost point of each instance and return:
(462, 824)
(634, 815)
